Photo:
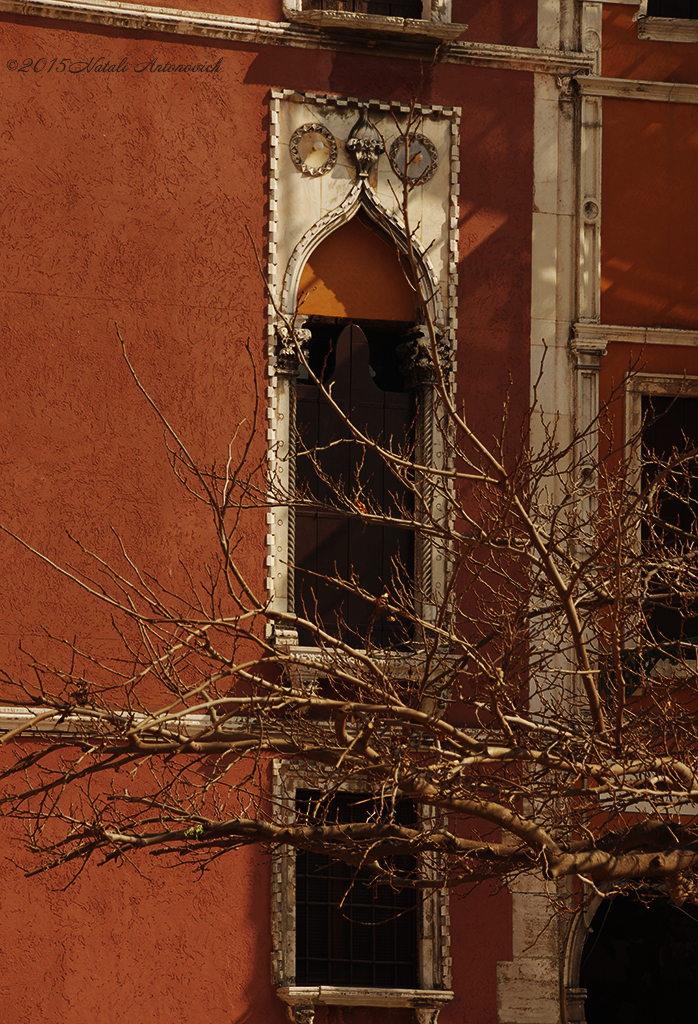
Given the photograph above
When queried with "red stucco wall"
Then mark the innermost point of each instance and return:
(624, 55)
(650, 208)
(129, 196)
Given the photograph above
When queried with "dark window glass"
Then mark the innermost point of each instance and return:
(362, 368)
(671, 427)
(350, 932)
(639, 962)
(672, 8)
(390, 8)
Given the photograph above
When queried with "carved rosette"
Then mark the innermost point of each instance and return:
(365, 144)
(288, 341)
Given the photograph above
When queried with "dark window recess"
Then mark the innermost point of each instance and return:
(362, 368)
(350, 932)
(672, 9)
(386, 8)
(670, 426)
(639, 962)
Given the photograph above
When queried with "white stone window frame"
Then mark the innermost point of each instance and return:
(435, 22)
(669, 30)
(440, 278)
(661, 385)
(434, 960)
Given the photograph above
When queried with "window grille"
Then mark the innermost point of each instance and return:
(385, 8)
(363, 367)
(670, 426)
(349, 931)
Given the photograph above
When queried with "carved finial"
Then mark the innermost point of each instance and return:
(365, 144)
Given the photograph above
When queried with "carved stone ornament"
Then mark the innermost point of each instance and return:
(365, 144)
(568, 86)
(288, 341)
(414, 352)
(301, 1014)
(313, 149)
(422, 158)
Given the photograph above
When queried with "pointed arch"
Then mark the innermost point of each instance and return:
(361, 201)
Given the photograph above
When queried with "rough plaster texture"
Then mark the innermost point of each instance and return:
(128, 197)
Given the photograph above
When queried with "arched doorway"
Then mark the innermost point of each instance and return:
(640, 960)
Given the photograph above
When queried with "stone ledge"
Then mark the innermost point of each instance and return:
(347, 20)
(302, 1000)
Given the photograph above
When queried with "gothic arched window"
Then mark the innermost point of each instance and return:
(352, 502)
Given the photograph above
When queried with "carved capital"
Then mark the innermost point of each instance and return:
(568, 86)
(365, 144)
(288, 342)
(426, 1014)
(415, 354)
(301, 1014)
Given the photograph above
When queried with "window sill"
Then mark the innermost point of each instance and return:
(345, 20)
(301, 996)
(671, 30)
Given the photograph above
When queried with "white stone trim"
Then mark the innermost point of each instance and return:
(44, 721)
(361, 196)
(528, 985)
(671, 30)
(302, 1001)
(432, 10)
(660, 384)
(602, 334)
(589, 261)
(434, 940)
(435, 21)
(591, 28)
(334, 202)
(625, 88)
(170, 21)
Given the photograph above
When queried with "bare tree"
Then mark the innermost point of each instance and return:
(539, 700)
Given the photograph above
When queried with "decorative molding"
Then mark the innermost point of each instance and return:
(624, 88)
(639, 384)
(432, 27)
(397, 151)
(575, 996)
(361, 196)
(434, 942)
(255, 31)
(331, 146)
(602, 334)
(589, 217)
(316, 207)
(591, 29)
(43, 721)
(670, 30)
(302, 1001)
(365, 145)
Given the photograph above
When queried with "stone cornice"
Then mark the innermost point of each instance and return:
(142, 18)
(597, 336)
(626, 88)
(670, 30)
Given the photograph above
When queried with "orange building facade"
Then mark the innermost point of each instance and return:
(154, 159)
